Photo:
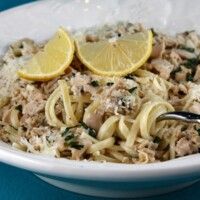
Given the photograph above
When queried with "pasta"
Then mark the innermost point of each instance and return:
(80, 115)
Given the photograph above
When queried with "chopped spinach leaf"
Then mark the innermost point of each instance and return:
(189, 49)
(75, 145)
(69, 136)
(90, 130)
(109, 83)
(189, 77)
(84, 125)
(94, 83)
(192, 62)
(67, 130)
(132, 90)
(153, 32)
(71, 140)
(173, 73)
(197, 129)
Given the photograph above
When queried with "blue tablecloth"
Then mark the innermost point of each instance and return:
(17, 184)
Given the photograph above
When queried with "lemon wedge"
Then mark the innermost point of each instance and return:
(52, 60)
(116, 56)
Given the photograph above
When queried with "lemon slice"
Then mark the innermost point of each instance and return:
(116, 56)
(52, 60)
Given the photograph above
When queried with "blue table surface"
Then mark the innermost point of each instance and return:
(18, 184)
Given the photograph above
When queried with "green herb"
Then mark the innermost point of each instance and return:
(173, 73)
(189, 77)
(129, 76)
(75, 145)
(72, 142)
(69, 136)
(189, 49)
(84, 125)
(71, 139)
(90, 130)
(157, 140)
(109, 83)
(94, 83)
(19, 108)
(197, 129)
(132, 90)
(192, 62)
(153, 32)
(66, 131)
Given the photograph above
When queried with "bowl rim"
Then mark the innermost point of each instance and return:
(92, 170)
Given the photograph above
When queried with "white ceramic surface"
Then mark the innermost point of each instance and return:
(39, 21)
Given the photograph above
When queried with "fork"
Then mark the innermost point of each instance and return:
(180, 116)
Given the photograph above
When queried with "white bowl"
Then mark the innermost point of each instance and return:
(39, 21)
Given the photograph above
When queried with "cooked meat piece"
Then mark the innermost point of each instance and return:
(80, 83)
(91, 38)
(21, 48)
(158, 50)
(39, 131)
(194, 38)
(175, 58)
(195, 107)
(4, 135)
(163, 67)
(32, 121)
(50, 86)
(189, 43)
(34, 107)
(6, 116)
(185, 147)
(94, 121)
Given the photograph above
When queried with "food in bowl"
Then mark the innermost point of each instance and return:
(101, 103)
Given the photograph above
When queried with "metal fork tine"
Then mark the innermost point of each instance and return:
(180, 116)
